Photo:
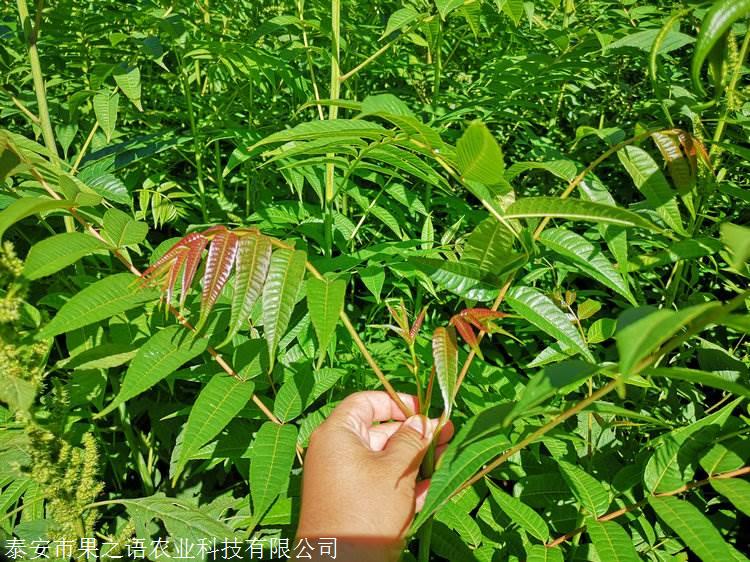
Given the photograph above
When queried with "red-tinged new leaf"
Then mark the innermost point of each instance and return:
(162, 265)
(174, 272)
(681, 169)
(192, 261)
(221, 254)
(445, 356)
(417, 324)
(694, 148)
(467, 333)
(252, 263)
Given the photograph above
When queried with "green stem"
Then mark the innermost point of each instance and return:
(333, 111)
(31, 34)
(196, 140)
(438, 64)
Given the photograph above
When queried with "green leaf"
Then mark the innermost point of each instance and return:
(612, 542)
(639, 339)
(576, 209)
(325, 300)
(108, 186)
(521, 514)
(52, 254)
(373, 277)
(673, 462)
(27, 206)
(737, 239)
(539, 310)
(273, 457)
(252, 263)
(644, 40)
(338, 128)
(650, 181)
(217, 404)
(479, 440)
(128, 79)
(165, 352)
(592, 496)
(462, 279)
(514, 9)
(587, 257)
(285, 276)
(447, 6)
(540, 553)
(716, 24)
(489, 247)
(694, 528)
(461, 522)
(696, 376)
(299, 391)
(445, 357)
(563, 169)
(180, 518)
(736, 490)
(105, 109)
(17, 393)
(123, 230)
(105, 298)
(562, 377)
(400, 19)
(479, 156)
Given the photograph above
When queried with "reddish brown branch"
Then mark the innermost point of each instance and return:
(628, 508)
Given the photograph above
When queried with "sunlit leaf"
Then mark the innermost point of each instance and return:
(325, 300)
(479, 156)
(612, 542)
(52, 254)
(273, 456)
(575, 209)
(217, 404)
(589, 492)
(285, 275)
(162, 354)
(105, 109)
(542, 312)
(694, 528)
(105, 298)
(253, 259)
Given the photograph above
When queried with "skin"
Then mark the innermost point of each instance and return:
(361, 479)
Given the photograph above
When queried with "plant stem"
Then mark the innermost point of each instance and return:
(632, 507)
(196, 140)
(85, 147)
(603, 391)
(333, 112)
(344, 77)
(31, 34)
(305, 41)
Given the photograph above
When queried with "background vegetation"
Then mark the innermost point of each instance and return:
(357, 193)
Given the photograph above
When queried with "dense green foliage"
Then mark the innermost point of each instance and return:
(530, 214)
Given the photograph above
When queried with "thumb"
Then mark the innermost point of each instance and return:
(409, 444)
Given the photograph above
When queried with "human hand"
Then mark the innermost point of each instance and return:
(359, 481)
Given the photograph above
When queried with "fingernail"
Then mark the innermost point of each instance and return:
(417, 423)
